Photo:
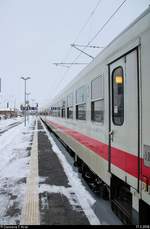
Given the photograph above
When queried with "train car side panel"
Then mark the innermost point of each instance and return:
(145, 162)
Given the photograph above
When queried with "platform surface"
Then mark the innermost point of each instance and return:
(55, 208)
(50, 198)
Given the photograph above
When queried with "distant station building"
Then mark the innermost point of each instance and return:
(7, 113)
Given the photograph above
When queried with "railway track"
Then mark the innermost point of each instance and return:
(10, 126)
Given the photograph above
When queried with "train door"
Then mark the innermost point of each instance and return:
(124, 119)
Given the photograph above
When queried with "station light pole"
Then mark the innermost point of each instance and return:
(0, 88)
(0, 85)
(25, 79)
(28, 95)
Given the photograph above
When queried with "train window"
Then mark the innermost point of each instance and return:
(55, 111)
(97, 104)
(58, 114)
(81, 95)
(63, 113)
(97, 111)
(70, 112)
(118, 96)
(63, 105)
(70, 100)
(81, 112)
(97, 88)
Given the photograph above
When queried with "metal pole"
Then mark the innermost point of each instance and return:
(25, 103)
(0, 88)
(25, 79)
(0, 84)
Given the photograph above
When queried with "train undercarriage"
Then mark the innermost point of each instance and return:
(118, 193)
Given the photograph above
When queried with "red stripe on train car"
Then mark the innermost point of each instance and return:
(123, 160)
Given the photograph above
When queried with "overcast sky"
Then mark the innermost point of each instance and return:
(36, 33)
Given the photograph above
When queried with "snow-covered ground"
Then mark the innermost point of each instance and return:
(14, 164)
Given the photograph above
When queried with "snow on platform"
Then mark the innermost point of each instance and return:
(15, 147)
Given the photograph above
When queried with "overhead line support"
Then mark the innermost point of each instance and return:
(74, 46)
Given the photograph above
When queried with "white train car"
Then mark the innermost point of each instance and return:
(104, 117)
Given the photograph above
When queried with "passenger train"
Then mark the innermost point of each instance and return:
(103, 116)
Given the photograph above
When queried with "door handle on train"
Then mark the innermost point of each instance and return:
(111, 134)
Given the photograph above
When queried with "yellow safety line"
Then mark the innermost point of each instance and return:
(30, 211)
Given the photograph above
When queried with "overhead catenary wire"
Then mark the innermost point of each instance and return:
(94, 37)
(69, 63)
(89, 18)
(109, 19)
(80, 31)
(88, 46)
(101, 29)
(84, 26)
